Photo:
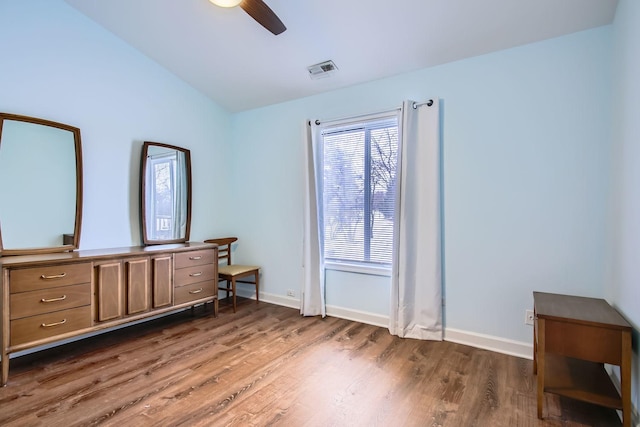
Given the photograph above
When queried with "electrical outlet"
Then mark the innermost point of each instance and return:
(291, 293)
(528, 317)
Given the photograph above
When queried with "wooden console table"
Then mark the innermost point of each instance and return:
(573, 338)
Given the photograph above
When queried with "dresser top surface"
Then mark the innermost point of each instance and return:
(93, 254)
(578, 309)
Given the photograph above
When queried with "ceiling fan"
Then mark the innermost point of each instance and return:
(258, 10)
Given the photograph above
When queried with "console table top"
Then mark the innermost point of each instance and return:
(578, 309)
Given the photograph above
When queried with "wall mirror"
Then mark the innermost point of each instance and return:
(165, 193)
(40, 186)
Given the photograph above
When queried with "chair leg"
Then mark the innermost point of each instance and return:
(233, 290)
(257, 287)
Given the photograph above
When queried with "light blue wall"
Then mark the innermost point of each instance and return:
(624, 288)
(526, 175)
(59, 65)
(526, 159)
(625, 291)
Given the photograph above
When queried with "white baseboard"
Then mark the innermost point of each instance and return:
(490, 342)
(271, 298)
(332, 310)
(358, 316)
(486, 342)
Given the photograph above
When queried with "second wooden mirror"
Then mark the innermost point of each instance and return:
(165, 193)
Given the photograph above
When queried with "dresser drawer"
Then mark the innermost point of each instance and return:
(195, 291)
(31, 279)
(31, 303)
(198, 273)
(188, 259)
(49, 325)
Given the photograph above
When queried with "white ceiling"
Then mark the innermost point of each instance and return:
(228, 56)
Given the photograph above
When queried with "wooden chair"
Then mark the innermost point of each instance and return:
(231, 273)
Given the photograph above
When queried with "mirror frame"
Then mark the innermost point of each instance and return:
(75, 241)
(143, 192)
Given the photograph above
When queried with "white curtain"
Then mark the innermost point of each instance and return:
(180, 197)
(416, 281)
(312, 302)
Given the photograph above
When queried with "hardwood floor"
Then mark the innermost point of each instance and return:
(265, 366)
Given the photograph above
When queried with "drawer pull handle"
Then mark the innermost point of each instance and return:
(48, 325)
(195, 258)
(199, 273)
(197, 291)
(62, 298)
(55, 276)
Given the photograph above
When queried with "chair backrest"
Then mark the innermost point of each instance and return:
(224, 247)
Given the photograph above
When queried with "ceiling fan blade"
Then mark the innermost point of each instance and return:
(259, 11)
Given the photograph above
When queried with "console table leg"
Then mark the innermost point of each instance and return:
(540, 365)
(625, 379)
(535, 346)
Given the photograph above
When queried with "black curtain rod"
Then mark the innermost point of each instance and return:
(428, 103)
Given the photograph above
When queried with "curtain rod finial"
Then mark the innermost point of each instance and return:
(429, 103)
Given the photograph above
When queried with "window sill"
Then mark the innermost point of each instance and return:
(358, 268)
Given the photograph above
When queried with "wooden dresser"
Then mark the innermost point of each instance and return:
(573, 338)
(52, 297)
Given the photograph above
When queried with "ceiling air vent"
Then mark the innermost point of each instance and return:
(322, 70)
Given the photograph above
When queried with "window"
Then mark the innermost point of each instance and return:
(358, 190)
(163, 180)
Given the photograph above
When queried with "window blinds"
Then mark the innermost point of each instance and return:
(359, 177)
